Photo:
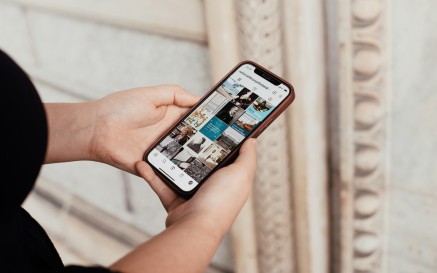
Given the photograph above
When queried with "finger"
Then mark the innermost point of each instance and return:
(241, 172)
(181, 111)
(172, 95)
(173, 114)
(245, 164)
(247, 156)
(165, 194)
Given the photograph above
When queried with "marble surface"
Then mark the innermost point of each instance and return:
(81, 60)
(14, 35)
(411, 234)
(109, 59)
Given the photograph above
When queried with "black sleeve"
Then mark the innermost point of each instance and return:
(89, 269)
(26, 247)
(25, 135)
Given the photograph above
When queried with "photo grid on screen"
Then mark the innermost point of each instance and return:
(199, 143)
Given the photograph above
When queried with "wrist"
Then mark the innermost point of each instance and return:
(205, 222)
(70, 132)
(207, 227)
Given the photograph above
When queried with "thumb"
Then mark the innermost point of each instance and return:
(246, 160)
(165, 194)
(172, 95)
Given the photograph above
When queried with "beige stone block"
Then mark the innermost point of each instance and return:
(107, 59)
(14, 34)
(96, 183)
(411, 232)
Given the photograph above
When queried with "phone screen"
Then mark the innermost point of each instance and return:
(211, 131)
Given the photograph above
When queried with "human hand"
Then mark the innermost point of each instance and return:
(195, 227)
(130, 121)
(218, 200)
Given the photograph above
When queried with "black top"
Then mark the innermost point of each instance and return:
(25, 245)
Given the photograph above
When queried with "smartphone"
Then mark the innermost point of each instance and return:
(238, 107)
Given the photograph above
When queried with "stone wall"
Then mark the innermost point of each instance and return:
(411, 233)
(374, 114)
(383, 136)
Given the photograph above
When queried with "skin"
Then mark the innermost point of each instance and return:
(116, 130)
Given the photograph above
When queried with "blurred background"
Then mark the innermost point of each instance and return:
(347, 177)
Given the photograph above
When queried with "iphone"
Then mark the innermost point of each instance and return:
(238, 107)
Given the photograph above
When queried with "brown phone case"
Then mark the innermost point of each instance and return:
(233, 155)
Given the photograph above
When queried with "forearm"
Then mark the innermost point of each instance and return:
(186, 246)
(70, 131)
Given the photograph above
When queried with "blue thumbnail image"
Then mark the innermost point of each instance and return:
(233, 87)
(260, 113)
(240, 129)
(245, 124)
(214, 128)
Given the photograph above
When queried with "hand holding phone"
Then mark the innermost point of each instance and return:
(209, 136)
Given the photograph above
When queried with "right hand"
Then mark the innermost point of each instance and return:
(218, 201)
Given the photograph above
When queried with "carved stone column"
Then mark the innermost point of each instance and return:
(261, 40)
(287, 210)
(222, 32)
(360, 154)
(305, 51)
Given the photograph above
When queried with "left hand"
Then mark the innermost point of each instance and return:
(128, 122)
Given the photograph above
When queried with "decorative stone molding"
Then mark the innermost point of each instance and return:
(261, 40)
(363, 90)
(305, 46)
(224, 51)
